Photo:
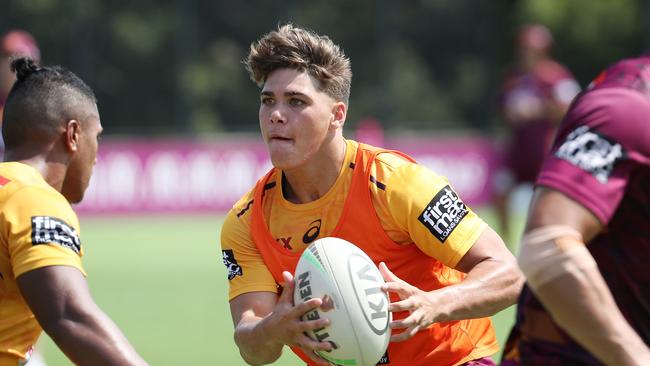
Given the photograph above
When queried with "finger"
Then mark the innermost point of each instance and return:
(305, 307)
(400, 288)
(287, 288)
(404, 305)
(387, 274)
(308, 344)
(288, 277)
(403, 323)
(328, 303)
(407, 334)
(307, 325)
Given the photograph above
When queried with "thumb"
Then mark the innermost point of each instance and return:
(287, 288)
(387, 274)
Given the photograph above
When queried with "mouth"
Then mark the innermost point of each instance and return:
(279, 138)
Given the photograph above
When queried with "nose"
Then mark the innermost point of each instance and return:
(277, 116)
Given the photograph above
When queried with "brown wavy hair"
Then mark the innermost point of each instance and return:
(303, 50)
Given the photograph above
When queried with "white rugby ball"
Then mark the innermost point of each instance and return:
(358, 330)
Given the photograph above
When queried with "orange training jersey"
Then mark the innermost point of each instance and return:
(396, 211)
(38, 229)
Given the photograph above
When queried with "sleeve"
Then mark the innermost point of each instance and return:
(439, 223)
(42, 230)
(603, 138)
(245, 266)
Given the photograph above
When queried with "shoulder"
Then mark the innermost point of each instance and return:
(552, 71)
(34, 200)
(618, 115)
(237, 224)
(412, 177)
(244, 205)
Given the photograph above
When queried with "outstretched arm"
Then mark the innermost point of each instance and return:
(493, 283)
(578, 298)
(59, 298)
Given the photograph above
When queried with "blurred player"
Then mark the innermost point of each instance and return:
(534, 96)
(16, 43)
(51, 129)
(586, 248)
(451, 270)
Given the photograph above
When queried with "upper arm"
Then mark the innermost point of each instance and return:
(252, 305)
(41, 230)
(551, 207)
(56, 293)
(433, 215)
(246, 270)
(489, 245)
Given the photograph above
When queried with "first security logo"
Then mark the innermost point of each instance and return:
(443, 213)
(230, 262)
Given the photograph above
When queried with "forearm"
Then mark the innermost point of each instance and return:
(92, 339)
(598, 325)
(255, 345)
(491, 286)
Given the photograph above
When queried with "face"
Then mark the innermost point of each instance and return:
(84, 158)
(296, 119)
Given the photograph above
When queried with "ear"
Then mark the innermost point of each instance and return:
(339, 112)
(72, 135)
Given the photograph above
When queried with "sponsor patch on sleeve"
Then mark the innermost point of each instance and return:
(230, 262)
(591, 152)
(443, 214)
(48, 230)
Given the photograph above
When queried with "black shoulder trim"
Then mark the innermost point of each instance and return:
(243, 211)
(250, 203)
(379, 185)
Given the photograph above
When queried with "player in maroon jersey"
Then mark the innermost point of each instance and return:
(586, 249)
(13, 44)
(534, 96)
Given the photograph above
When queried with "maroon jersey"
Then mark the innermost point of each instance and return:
(527, 99)
(600, 159)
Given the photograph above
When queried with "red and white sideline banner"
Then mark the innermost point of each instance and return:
(192, 176)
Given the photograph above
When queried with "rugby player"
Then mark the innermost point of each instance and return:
(586, 247)
(446, 270)
(51, 129)
(14, 44)
(534, 96)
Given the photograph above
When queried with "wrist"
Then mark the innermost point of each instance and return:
(265, 333)
(257, 343)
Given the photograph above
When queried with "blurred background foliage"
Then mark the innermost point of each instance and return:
(174, 67)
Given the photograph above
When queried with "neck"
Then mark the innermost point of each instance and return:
(52, 170)
(313, 180)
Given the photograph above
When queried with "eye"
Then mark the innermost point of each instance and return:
(267, 101)
(296, 102)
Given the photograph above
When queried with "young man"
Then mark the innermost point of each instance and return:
(51, 129)
(586, 248)
(534, 96)
(446, 269)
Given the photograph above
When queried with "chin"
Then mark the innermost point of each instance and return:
(282, 161)
(75, 199)
(73, 196)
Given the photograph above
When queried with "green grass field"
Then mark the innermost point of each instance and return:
(161, 280)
